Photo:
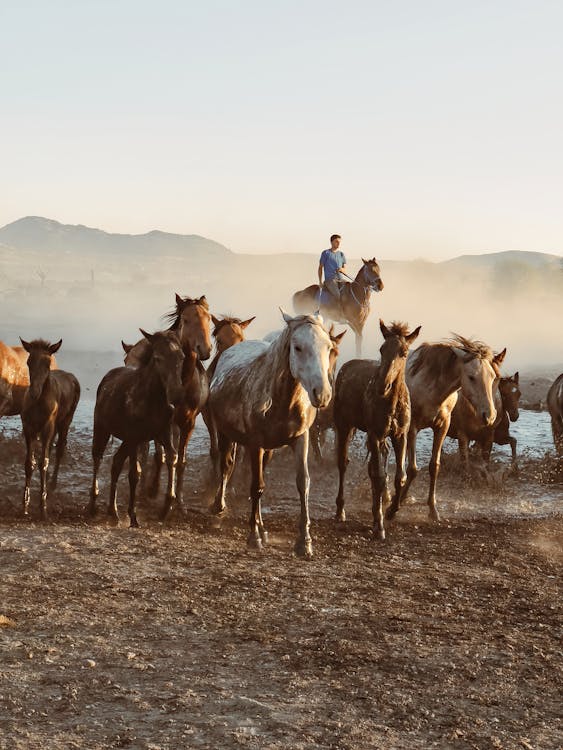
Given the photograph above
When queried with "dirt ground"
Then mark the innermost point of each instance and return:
(175, 636)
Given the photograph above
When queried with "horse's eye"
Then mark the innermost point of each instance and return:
(298, 348)
(472, 378)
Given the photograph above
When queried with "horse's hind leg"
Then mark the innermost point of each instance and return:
(227, 456)
(99, 442)
(173, 457)
(303, 545)
(133, 480)
(412, 471)
(116, 466)
(159, 459)
(257, 533)
(29, 467)
(440, 433)
(62, 439)
(378, 477)
(343, 435)
(183, 443)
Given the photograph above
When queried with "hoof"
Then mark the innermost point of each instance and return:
(217, 509)
(253, 541)
(303, 549)
(434, 515)
(263, 535)
(113, 518)
(164, 513)
(134, 523)
(391, 512)
(340, 516)
(379, 534)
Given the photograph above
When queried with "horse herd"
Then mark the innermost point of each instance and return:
(263, 395)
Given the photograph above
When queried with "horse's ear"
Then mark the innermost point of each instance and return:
(515, 377)
(54, 348)
(331, 330)
(384, 330)
(365, 262)
(410, 337)
(149, 336)
(339, 336)
(215, 320)
(286, 316)
(26, 345)
(203, 302)
(499, 358)
(179, 300)
(126, 347)
(246, 323)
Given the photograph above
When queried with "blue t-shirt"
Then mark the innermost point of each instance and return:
(332, 263)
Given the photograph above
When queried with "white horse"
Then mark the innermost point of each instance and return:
(264, 396)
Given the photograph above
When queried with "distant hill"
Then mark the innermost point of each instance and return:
(40, 235)
(488, 260)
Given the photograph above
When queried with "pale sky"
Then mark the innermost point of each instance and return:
(413, 129)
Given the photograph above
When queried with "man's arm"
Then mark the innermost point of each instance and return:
(320, 274)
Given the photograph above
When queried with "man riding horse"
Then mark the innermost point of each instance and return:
(331, 263)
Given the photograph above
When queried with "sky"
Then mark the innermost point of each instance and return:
(414, 130)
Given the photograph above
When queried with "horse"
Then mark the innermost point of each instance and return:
(374, 398)
(264, 396)
(466, 425)
(137, 405)
(47, 410)
(354, 300)
(510, 397)
(434, 374)
(14, 378)
(555, 408)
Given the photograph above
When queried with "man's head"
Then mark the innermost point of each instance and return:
(335, 241)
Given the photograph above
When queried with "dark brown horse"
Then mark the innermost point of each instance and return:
(434, 374)
(374, 398)
(264, 396)
(47, 410)
(510, 396)
(555, 408)
(136, 405)
(354, 300)
(14, 378)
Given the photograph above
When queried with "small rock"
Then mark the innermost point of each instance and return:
(90, 663)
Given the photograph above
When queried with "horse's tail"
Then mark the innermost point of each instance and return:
(307, 301)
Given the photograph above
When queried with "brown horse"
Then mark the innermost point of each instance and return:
(264, 396)
(374, 398)
(137, 405)
(510, 396)
(14, 378)
(47, 410)
(434, 374)
(354, 300)
(555, 408)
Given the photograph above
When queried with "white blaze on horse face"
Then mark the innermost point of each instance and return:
(477, 379)
(309, 362)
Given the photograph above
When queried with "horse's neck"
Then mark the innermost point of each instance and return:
(438, 389)
(360, 288)
(276, 373)
(148, 382)
(190, 364)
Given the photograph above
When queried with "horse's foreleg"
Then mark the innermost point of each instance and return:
(257, 534)
(315, 440)
(400, 449)
(29, 467)
(133, 480)
(463, 447)
(227, 456)
(176, 462)
(378, 477)
(116, 466)
(513, 443)
(159, 458)
(303, 545)
(412, 471)
(207, 415)
(46, 442)
(343, 435)
(440, 432)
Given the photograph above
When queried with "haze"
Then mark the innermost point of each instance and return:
(412, 129)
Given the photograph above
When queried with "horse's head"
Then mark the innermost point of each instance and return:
(372, 274)
(137, 354)
(228, 331)
(394, 351)
(510, 394)
(334, 352)
(310, 348)
(192, 323)
(479, 370)
(168, 358)
(39, 363)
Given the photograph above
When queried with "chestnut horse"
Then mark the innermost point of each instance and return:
(14, 378)
(264, 396)
(137, 405)
(47, 410)
(465, 427)
(374, 398)
(434, 374)
(354, 300)
(555, 408)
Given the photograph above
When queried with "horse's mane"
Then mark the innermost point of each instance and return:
(436, 357)
(225, 321)
(40, 344)
(173, 316)
(398, 328)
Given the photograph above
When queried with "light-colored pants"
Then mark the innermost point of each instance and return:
(333, 287)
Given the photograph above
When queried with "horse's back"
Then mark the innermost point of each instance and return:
(234, 362)
(555, 397)
(306, 300)
(68, 391)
